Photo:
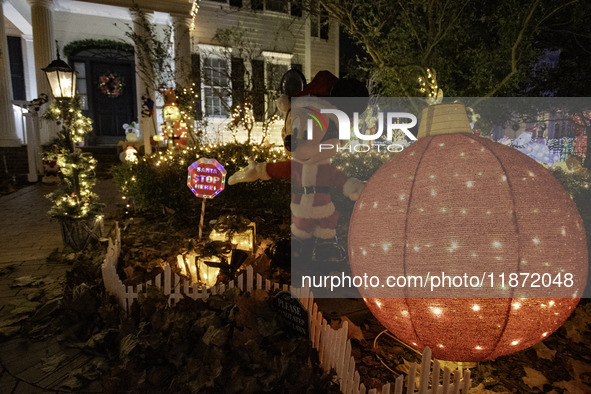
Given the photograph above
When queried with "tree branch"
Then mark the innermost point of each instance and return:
(514, 53)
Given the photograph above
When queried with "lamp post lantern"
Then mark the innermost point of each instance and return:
(62, 78)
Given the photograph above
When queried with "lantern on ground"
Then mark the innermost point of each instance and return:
(208, 275)
(194, 266)
(457, 203)
(243, 240)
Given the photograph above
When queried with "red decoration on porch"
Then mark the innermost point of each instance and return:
(461, 203)
(111, 84)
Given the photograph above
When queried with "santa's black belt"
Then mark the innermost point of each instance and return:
(310, 189)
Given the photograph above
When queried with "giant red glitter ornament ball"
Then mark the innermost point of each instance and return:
(459, 203)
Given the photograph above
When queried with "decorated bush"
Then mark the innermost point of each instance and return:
(158, 183)
(73, 198)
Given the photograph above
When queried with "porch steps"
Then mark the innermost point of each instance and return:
(106, 156)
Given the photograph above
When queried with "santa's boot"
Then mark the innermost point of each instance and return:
(328, 251)
(301, 249)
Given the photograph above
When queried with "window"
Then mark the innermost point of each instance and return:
(215, 86)
(233, 3)
(81, 84)
(276, 64)
(286, 7)
(273, 78)
(319, 24)
(276, 5)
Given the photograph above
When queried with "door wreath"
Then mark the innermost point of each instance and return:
(111, 84)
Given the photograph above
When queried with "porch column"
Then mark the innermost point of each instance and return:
(144, 78)
(182, 63)
(44, 51)
(7, 127)
(182, 50)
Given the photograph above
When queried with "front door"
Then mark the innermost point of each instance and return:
(112, 104)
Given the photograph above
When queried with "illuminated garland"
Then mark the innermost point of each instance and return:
(430, 88)
(67, 113)
(73, 198)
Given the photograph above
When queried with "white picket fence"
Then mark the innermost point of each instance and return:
(176, 287)
(334, 349)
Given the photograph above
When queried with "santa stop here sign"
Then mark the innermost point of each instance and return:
(207, 178)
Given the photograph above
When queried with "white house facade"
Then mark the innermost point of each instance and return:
(275, 35)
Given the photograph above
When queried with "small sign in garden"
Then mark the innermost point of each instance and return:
(207, 179)
(291, 313)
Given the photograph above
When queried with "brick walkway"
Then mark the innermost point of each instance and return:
(28, 237)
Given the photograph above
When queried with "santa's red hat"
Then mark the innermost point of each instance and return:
(320, 86)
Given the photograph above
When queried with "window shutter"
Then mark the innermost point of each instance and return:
(258, 85)
(17, 73)
(257, 5)
(237, 77)
(196, 77)
(324, 24)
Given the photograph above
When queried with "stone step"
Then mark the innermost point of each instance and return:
(106, 156)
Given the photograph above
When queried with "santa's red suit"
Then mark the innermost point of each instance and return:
(312, 211)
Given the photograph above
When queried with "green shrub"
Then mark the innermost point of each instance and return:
(159, 182)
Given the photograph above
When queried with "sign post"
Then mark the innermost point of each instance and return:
(207, 179)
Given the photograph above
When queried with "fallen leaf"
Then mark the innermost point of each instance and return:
(580, 373)
(573, 386)
(543, 351)
(12, 320)
(480, 389)
(7, 269)
(404, 368)
(50, 364)
(23, 306)
(129, 271)
(24, 281)
(71, 383)
(353, 330)
(577, 324)
(9, 331)
(534, 378)
(128, 343)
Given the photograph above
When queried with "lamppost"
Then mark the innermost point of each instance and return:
(74, 204)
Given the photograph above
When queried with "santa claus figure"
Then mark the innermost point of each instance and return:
(314, 217)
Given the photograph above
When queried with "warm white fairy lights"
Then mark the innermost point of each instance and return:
(194, 12)
(429, 84)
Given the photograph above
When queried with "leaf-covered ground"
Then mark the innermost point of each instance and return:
(233, 342)
(559, 364)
